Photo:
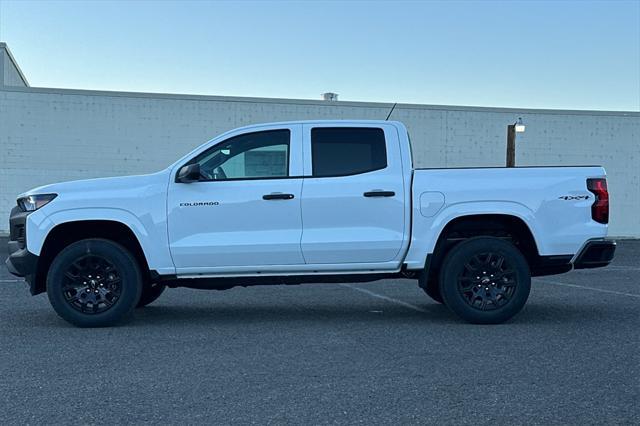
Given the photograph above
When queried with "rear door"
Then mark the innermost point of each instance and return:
(353, 198)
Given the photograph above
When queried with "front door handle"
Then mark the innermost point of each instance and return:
(277, 196)
(379, 193)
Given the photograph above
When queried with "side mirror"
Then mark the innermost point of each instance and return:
(189, 173)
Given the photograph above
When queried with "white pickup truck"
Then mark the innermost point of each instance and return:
(313, 201)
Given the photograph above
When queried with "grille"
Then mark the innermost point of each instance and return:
(17, 233)
(20, 236)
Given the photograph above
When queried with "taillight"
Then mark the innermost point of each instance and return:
(600, 207)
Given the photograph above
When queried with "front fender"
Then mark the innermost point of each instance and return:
(152, 239)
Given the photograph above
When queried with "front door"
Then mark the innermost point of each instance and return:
(245, 210)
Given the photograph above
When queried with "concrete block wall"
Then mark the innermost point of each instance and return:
(52, 135)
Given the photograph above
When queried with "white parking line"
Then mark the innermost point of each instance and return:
(380, 296)
(11, 281)
(613, 267)
(619, 293)
(624, 268)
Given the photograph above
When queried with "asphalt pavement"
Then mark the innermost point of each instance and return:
(372, 353)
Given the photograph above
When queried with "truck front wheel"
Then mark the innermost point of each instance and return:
(485, 280)
(94, 283)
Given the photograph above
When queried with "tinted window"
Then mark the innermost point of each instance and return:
(249, 156)
(341, 151)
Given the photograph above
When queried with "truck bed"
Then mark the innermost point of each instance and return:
(553, 202)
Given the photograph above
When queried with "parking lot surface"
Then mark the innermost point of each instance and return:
(341, 353)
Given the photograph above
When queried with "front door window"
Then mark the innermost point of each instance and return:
(258, 155)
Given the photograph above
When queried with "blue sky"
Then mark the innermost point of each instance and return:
(538, 54)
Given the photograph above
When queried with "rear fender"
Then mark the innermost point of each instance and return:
(426, 231)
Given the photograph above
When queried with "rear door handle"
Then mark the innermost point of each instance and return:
(277, 196)
(378, 193)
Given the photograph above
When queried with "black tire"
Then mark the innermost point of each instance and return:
(94, 283)
(485, 280)
(150, 292)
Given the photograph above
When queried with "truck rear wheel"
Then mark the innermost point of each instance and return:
(94, 283)
(485, 280)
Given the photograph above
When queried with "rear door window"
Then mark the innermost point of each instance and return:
(344, 151)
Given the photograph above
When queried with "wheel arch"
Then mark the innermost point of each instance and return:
(501, 225)
(63, 234)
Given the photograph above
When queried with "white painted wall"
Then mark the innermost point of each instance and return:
(51, 135)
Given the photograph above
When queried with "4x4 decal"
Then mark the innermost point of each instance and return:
(574, 197)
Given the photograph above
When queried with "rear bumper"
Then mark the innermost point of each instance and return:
(595, 254)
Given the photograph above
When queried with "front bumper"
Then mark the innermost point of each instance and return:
(21, 262)
(595, 254)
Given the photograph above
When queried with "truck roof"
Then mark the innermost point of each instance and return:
(341, 121)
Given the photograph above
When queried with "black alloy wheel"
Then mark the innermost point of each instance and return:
(92, 284)
(485, 280)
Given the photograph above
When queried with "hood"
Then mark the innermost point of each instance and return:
(98, 185)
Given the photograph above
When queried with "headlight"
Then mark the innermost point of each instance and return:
(34, 202)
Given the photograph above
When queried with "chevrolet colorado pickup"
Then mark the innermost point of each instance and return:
(308, 202)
